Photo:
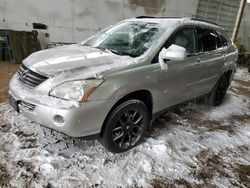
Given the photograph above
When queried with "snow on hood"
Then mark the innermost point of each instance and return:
(73, 57)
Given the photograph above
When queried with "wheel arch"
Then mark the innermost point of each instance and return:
(143, 95)
(229, 74)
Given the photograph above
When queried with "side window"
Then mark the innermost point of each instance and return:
(185, 38)
(224, 40)
(207, 40)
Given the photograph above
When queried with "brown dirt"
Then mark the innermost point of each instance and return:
(5, 127)
(239, 118)
(214, 125)
(27, 141)
(6, 71)
(212, 164)
(166, 183)
(28, 174)
(243, 172)
(211, 125)
(243, 88)
(242, 82)
(4, 176)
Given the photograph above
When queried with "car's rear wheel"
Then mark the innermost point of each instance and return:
(219, 91)
(125, 126)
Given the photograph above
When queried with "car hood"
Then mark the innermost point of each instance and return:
(74, 57)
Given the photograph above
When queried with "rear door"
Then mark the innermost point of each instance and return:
(212, 59)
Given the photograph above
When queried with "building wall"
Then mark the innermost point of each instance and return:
(244, 32)
(74, 20)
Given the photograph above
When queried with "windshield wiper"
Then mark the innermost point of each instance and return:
(114, 51)
(121, 53)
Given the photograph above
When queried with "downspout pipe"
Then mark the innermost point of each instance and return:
(238, 19)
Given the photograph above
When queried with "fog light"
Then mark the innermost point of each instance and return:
(58, 120)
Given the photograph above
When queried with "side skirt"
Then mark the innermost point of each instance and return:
(169, 109)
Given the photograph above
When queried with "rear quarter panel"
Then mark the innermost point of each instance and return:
(231, 54)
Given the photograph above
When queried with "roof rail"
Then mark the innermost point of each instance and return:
(176, 17)
(206, 21)
(141, 17)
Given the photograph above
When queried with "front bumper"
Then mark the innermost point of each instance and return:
(74, 120)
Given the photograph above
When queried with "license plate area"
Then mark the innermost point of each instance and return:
(14, 103)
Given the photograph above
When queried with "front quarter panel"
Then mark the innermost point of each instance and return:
(119, 84)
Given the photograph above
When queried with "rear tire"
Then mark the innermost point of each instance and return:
(219, 91)
(125, 126)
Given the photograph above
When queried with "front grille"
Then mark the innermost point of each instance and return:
(29, 77)
(27, 106)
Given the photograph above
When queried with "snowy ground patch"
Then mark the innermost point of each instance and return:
(195, 146)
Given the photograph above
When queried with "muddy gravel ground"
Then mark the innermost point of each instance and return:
(194, 146)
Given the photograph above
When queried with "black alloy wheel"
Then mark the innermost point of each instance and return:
(219, 91)
(128, 129)
(125, 126)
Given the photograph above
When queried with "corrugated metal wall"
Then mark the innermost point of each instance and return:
(222, 12)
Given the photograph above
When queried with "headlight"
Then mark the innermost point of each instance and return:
(75, 90)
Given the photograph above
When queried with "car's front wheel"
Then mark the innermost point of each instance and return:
(125, 126)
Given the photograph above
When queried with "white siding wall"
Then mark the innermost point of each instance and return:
(74, 20)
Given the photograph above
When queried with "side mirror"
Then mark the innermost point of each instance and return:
(175, 53)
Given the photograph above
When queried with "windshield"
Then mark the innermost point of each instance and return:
(127, 38)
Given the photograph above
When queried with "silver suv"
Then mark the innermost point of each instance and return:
(116, 82)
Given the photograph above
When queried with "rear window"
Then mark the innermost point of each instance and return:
(219, 42)
(224, 40)
(207, 40)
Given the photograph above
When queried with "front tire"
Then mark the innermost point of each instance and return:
(125, 126)
(219, 91)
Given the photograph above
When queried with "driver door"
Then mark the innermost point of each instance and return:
(179, 81)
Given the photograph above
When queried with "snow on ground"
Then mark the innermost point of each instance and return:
(194, 146)
(242, 74)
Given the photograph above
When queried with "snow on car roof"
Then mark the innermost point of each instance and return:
(171, 20)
